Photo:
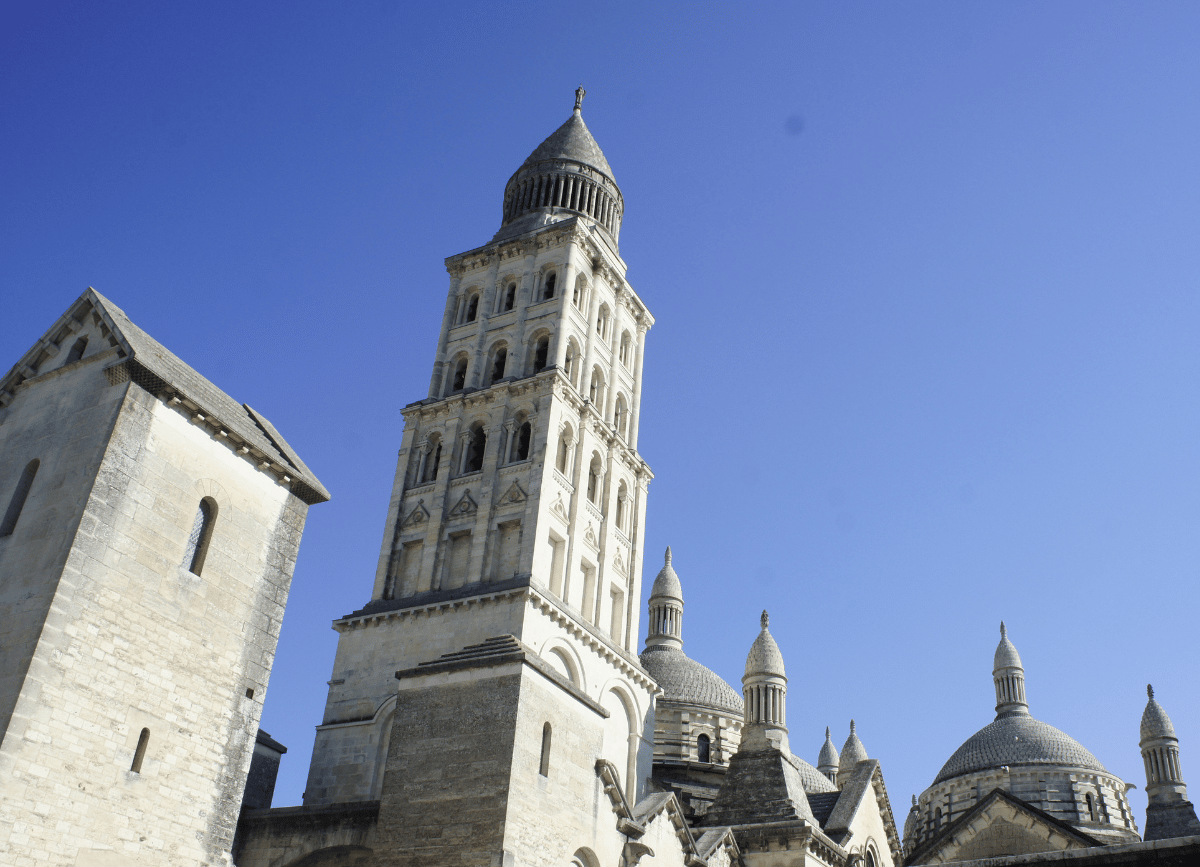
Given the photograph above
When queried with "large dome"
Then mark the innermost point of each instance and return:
(1017, 740)
(686, 681)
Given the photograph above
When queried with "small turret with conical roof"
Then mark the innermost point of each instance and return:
(827, 761)
(852, 753)
(1009, 676)
(1168, 813)
(764, 690)
(666, 608)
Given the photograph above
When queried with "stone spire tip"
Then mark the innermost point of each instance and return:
(914, 800)
(826, 732)
(668, 555)
(765, 620)
(1150, 692)
(1003, 630)
(580, 93)
(851, 726)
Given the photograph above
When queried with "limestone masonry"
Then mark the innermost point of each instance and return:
(488, 706)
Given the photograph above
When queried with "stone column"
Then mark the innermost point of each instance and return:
(439, 363)
(635, 411)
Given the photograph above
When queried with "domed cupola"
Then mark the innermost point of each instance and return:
(853, 752)
(683, 680)
(566, 175)
(1169, 813)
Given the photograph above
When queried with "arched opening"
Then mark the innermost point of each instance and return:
(596, 388)
(433, 457)
(544, 764)
(139, 754)
(562, 461)
(499, 362)
(595, 472)
(622, 507)
(626, 345)
(579, 295)
(476, 445)
(1091, 806)
(520, 443)
(202, 530)
(703, 749)
(602, 321)
(621, 415)
(539, 355)
(472, 308)
(458, 378)
(17, 503)
(510, 298)
(572, 362)
(77, 349)
(548, 290)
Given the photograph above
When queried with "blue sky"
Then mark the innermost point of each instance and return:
(926, 281)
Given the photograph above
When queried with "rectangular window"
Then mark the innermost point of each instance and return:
(617, 618)
(588, 604)
(410, 568)
(458, 561)
(508, 550)
(558, 550)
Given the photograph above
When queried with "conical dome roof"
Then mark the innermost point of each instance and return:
(1006, 652)
(853, 751)
(829, 753)
(1014, 741)
(571, 141)
(1155, 722)
(667, 582)
(764, 656)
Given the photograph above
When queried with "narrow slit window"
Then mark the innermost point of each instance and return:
(472, 308)
(548, 293)
(703, 749)
(201, 535)
(544, 766)
(140, 753)
(510, 297)
(541, 354)
(17, 503)
(499, 363)
(521, 442)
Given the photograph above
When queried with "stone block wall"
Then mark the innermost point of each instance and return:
(132, 641)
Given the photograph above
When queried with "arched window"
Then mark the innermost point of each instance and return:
(510, 298)
(577, 297)
(433, 457)
(621, 415)
(519, 448)
(602, 320)
(937, 818)
(201, 535)
(499, 360)
(596, 389)
(475, 448)
(573, 362)
(544, 766)
(472, 308)
(77, 349)
(1091, 806)
(595, 471)
(540, 356)
(548, 291)
(626, 345)
(458, 379)
(17, 503)
(622, 506)
(564, 449)
(139, 754)
(703, 749)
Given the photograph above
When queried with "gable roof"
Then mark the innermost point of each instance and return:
(865, 781)
(158, 370)
(962, 829)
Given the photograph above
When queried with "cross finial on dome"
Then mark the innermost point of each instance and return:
(1149, 691)
(580, 93)
(765, 619)
(1003, 630)
(667, 558)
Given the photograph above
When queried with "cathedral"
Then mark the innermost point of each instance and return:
(489, 705)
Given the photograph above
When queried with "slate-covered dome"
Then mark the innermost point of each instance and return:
(686, 681)
(829, 753)
(565, 176)
(764, 656)
(1017, 740)
(1155, 722)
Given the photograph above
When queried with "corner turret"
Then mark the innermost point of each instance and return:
(1009, 676)
(1168, 813)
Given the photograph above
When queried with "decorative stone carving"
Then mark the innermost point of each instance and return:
(512, 496)
(465, 506)
(419, 515)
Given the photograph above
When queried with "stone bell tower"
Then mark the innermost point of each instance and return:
(509, 577)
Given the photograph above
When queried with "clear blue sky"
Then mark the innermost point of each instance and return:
(926, 280)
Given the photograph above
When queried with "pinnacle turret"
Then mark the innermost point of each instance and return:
(1009, 677)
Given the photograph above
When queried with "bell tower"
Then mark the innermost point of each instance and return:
(509, 578)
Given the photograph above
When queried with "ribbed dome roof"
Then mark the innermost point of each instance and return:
(667, 582)
(829, 753)
(853, 751)
(686, 681)
(1017, 740)
(764, 656)
(571, 141)
(1006, 652)
(1155, 722)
